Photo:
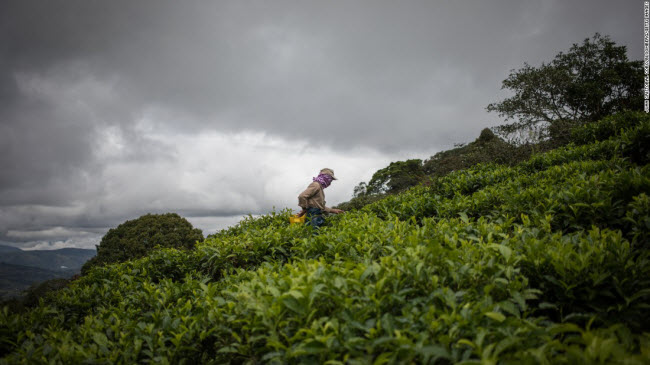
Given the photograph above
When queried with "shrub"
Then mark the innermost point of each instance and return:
(135, 238)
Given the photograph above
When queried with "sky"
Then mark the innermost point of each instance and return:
(220, 109)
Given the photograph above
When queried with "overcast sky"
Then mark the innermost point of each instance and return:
(218, 109)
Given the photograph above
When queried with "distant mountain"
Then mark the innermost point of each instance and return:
(61, 259)
(4, 249)
(19, 269)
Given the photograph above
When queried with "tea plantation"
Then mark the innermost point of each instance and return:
(544, 262)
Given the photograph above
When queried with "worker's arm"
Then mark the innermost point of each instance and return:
(333, 210)
(329, 210)
(324, 209)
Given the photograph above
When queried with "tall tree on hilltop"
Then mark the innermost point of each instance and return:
(594, 79)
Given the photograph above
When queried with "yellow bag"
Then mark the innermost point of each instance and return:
(294, 219)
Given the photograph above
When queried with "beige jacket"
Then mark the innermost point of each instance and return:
(313, 197)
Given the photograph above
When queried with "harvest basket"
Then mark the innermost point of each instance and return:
(294, 219)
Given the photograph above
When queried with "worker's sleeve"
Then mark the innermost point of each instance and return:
(305, 195)
(320, 201)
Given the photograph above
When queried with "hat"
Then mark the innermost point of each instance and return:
(329, 172)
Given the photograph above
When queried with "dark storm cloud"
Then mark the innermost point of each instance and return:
(308, 68)
(94, 93)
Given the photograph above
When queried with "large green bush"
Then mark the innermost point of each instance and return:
(136, 238)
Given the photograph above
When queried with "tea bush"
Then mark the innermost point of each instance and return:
(542, 262)
(608, 127)
(136, 238)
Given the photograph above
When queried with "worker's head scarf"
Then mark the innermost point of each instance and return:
(324, 180)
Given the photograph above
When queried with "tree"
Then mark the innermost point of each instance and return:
(360, 190)
(487, 148)
(136, 238)
(394, 178)
(591, 81)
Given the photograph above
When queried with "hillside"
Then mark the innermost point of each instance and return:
(402, 175)
(543, 262)
(20, 269)
(14, 279)
(5, 249)
(64, 258)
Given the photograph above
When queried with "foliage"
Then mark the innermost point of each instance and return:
(36, 291)
(135, 238)
(487, 148)
(359, 201)
(545, 261)
(611, 126)
(592, 80)
(391, 179)
(396, 177)
(401, 175)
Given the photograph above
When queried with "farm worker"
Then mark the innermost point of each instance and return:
(312, 200)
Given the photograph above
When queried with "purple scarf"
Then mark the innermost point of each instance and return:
(324, 180)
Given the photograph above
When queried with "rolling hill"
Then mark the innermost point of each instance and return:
(14, 279)
(64, 258)
(546, 261)
(19, 269)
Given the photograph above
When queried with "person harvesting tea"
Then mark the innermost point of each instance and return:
(312, 200)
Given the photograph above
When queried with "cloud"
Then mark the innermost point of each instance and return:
(88, 244)
(356, 68)
(59, 232)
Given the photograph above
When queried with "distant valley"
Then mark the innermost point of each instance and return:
(19, 269)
